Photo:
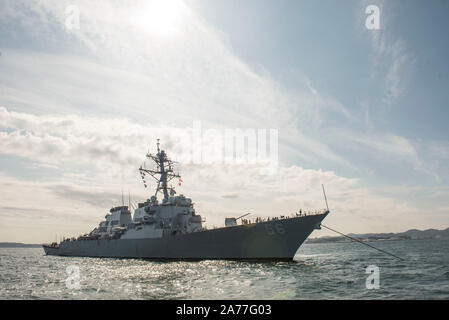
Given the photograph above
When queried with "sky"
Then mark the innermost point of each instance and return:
(87, 87)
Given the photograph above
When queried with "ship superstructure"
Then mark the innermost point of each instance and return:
(152, 219)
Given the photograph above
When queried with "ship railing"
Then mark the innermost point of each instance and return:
(300, 213)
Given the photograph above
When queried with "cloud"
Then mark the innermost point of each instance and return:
(400, 59)
(230, 196)
(386, 143)
(112, 149)
(391, 58)
(71, 207)
(387, 148)
(309, 86)
(190, 74)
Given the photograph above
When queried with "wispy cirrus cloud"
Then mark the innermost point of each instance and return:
(391, 58)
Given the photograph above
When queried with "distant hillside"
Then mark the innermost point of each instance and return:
(18, 245)
(412, 234)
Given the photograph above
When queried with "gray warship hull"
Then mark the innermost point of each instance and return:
(269, 240)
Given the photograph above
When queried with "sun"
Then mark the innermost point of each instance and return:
(161, 17)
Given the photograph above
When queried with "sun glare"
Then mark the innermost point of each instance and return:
(161, 17)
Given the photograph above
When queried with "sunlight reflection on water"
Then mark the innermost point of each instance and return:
(320, 271)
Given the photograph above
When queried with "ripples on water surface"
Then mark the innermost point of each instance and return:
(321, 271)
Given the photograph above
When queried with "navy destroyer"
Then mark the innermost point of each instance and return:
(172, 229)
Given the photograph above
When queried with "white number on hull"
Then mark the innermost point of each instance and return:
(278, 229)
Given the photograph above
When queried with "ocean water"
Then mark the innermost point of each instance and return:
(320, 271)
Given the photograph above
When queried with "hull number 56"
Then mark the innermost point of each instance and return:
(277, 228)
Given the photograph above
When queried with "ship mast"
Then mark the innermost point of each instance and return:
(164, 171)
